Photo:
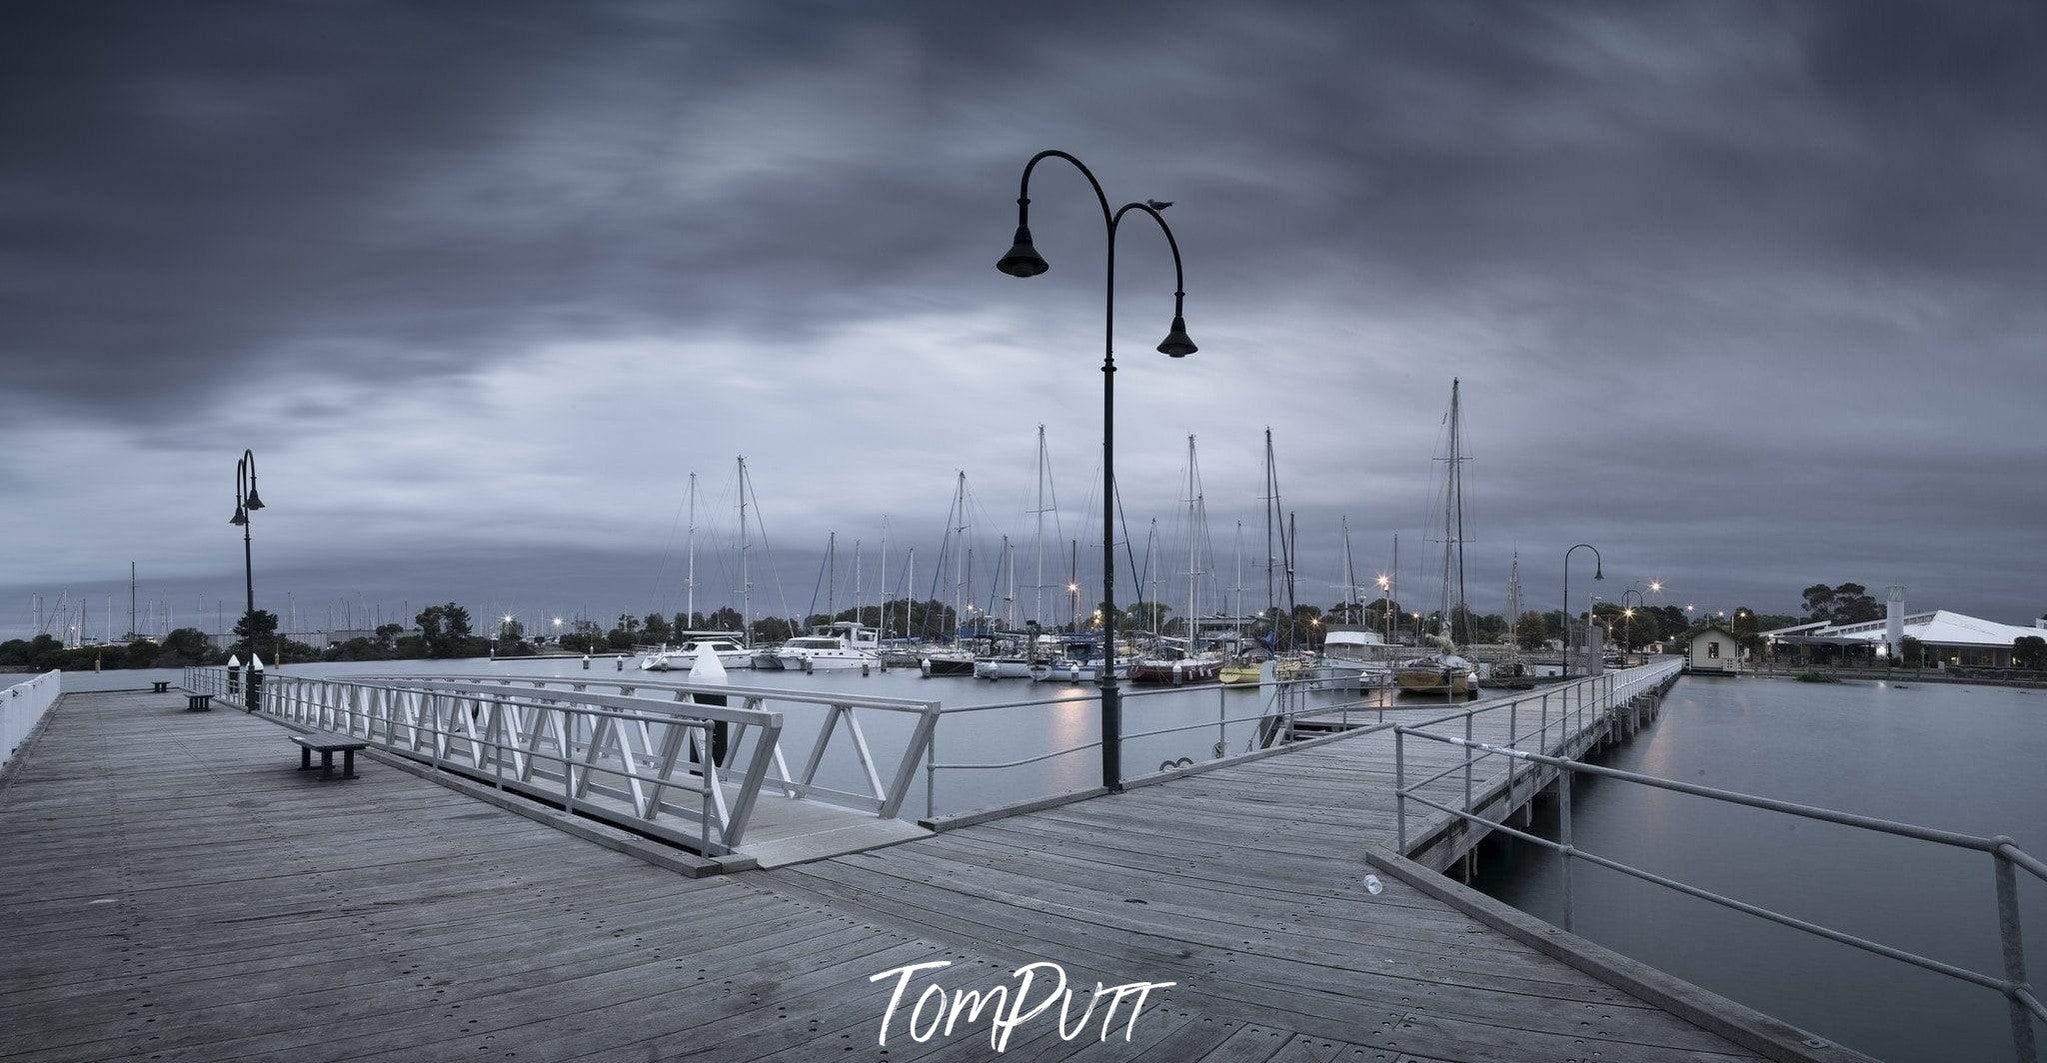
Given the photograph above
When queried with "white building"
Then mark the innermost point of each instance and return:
(1945, 638)
(1713, 650)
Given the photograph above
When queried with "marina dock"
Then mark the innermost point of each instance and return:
(177, 891)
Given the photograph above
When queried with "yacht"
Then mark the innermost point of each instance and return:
(1437, 673)
(1171, 664)
(1352, 651)
(726, 646)
(948, 660)
(844, 645)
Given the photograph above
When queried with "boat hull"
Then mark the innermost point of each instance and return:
(1175, 673)
(1002, 668)
(1242, 675)
(948, 666)
(1431, 681)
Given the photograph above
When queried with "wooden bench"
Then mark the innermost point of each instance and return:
(327, 745)
(198, 702)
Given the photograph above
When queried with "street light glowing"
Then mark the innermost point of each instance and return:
(1073, 588)
(1385, 584)
(1656, 585)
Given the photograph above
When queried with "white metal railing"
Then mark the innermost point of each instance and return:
(619, 749)
(2023, 1004)
(22, 706)
(841, 714)
(1570, 708)
(1284, 703)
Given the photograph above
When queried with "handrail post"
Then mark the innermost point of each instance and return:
(1564, 839)
(1513, 742)
(1542, 744)
(1467, 762)
(2013, 945)
(1400, 785)
(931, 771)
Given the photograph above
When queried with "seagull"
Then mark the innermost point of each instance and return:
(1158, 204)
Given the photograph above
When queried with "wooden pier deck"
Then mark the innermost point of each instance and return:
(174, 891)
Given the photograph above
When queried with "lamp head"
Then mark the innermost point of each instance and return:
(1023, 259)
(1598, 570)
(1177, 344)
(254, 501)
(240, 518)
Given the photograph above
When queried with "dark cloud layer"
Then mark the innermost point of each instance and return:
(1750, 294)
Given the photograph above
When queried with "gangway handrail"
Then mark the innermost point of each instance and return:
(2024, 1005)
(842, 711)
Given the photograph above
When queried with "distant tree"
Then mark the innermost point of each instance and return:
(1911, 651)
(772, 629)
(1531, 630)
(1846, 603)
(255, 632)
(445, 630)
(2029, 651)
(187, 645)
(657, 628)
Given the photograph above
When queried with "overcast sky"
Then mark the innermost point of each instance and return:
(1748, 296)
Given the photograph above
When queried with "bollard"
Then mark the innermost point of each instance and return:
(254, 702)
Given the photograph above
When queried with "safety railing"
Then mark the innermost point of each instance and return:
(1283, 704)
(841, 714)
(2024, 1004)
(629, 751)
(1572, 709)
(22, 706)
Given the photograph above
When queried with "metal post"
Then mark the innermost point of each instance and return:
(2013, 944)
(931, 771)
(1564, 839)
(1467, 762)
(1542, 744)
(1513, 742)
(1223, 724)
(1400, 786)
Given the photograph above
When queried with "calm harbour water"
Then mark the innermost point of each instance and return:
(1965, 758)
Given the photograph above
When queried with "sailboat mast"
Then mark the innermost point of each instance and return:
(745, 549)
(1193, 558)
(689, 581)
(1350, 577)
(1237, 599)
(1271, 504)
(858, 590)
(1457, 474)
(1038, 538)
(1293, 536)
(959, 556)
(881, 612)
(1009, 591)
(831, 579)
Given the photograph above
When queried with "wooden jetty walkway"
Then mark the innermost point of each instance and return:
(174, 891)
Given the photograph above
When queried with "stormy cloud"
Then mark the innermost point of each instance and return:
(1749, 295)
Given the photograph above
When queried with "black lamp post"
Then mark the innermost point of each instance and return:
(1598, 572)
(247, 501)
(1023, 260)
(1628, 617)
